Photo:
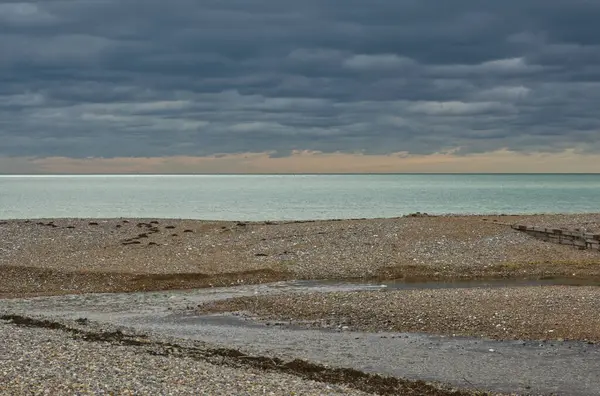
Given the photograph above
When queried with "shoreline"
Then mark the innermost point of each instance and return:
(311, 220)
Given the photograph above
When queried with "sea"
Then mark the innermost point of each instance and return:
(293, 197)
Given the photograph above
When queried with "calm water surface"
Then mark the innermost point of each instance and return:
(278, 197)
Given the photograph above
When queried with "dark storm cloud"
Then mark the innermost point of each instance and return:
(151, 78)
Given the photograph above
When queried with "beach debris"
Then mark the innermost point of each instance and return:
(131, 242)
(417, 214)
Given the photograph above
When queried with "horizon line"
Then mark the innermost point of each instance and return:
(296, 173)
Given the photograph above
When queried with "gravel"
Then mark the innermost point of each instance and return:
(526, 313)
(42, 361)
(78, 255)
(63, 256)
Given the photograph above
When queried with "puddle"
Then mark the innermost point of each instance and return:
(407, 285)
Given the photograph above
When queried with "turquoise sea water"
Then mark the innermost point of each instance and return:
(277, 197)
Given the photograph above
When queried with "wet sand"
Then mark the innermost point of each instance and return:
(65, 256)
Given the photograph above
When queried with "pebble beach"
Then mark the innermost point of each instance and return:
(54, 256)
(556, 313)
(45, 257)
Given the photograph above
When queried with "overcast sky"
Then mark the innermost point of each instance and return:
(343, 78)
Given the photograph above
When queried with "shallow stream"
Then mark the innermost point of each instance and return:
(506, 366)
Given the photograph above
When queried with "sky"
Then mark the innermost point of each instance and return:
(270, 86)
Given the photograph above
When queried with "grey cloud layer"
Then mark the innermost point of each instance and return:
(151, 78)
